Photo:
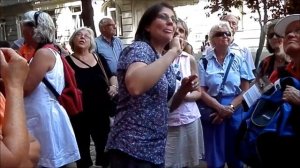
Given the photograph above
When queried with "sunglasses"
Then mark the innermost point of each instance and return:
(272, 35)
(29, 24)
(166, 17)
(36, 17)
(222, 34)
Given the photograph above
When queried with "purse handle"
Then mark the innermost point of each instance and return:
(99, 63)
(102, 68)
(225, 77)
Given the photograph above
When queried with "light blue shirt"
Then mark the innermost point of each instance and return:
(111, 52)
(238, 50)
(212, 77)
(243, 51)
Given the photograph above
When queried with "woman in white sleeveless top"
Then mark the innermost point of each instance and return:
(47, 120)
(185, 146)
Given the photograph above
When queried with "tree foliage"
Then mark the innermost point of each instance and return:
(266, 10)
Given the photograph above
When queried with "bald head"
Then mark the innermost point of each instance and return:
(107, 27)
(104, 22)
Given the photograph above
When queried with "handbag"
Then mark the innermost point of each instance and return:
(113, 100)
(204, 109)
(71, 96)
(268, 115)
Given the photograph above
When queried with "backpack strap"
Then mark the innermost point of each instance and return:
(45, 80)
(225, 77)
(204, 62)
(50, 87)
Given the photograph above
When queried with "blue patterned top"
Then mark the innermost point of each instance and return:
(140, 127)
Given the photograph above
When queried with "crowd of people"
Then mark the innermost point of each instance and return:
(158, 82)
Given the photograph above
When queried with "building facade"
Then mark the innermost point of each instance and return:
(66, 15)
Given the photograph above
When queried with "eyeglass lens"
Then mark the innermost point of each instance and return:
(166, 17)
(272, 35)
(222, 34)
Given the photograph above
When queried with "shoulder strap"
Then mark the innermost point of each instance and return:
(81, 61)
(225, 75)
(204, 62)
(102, 68)
(50, 87)
(45, 80)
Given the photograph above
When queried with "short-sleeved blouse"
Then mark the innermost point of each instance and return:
(213, 75)
(140, 127)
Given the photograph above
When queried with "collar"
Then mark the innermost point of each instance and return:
(211, 54)
(105, 39)
(184, 54)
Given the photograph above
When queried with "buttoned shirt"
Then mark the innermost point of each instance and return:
(212, 77)
(243, 51)
(110, 51)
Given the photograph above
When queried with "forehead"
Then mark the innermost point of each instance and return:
(167, 10)
(230, 18)
(83, 31)
(293, 25)
(108, 21)
(221, 28)
(179, 25)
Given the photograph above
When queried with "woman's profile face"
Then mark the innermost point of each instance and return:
(181, 31)
(162, 28)
(274, 39)
(291, 43)
(82, 39)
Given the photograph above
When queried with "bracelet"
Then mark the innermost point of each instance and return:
(114, 86)
(232, 106)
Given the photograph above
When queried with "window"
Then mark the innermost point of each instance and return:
(2, 31)
(111, 9)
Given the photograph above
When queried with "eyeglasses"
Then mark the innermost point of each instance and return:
(222, 34)
(28, 24)
(166, 17)
(86, 36)
(110, 25)
(180, 30)
(272, 35)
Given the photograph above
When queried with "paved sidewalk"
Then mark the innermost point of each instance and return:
(93, 155)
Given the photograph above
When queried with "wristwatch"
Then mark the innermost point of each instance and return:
(232, 106)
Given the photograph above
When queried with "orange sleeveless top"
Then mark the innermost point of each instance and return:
(26, 51)
(2, 108)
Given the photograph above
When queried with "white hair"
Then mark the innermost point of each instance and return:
(216, 28)
(45, 28)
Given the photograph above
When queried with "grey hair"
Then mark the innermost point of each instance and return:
(92, 40)
(103, 22)
(216, 28)
(225, 17)
(45, 29)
